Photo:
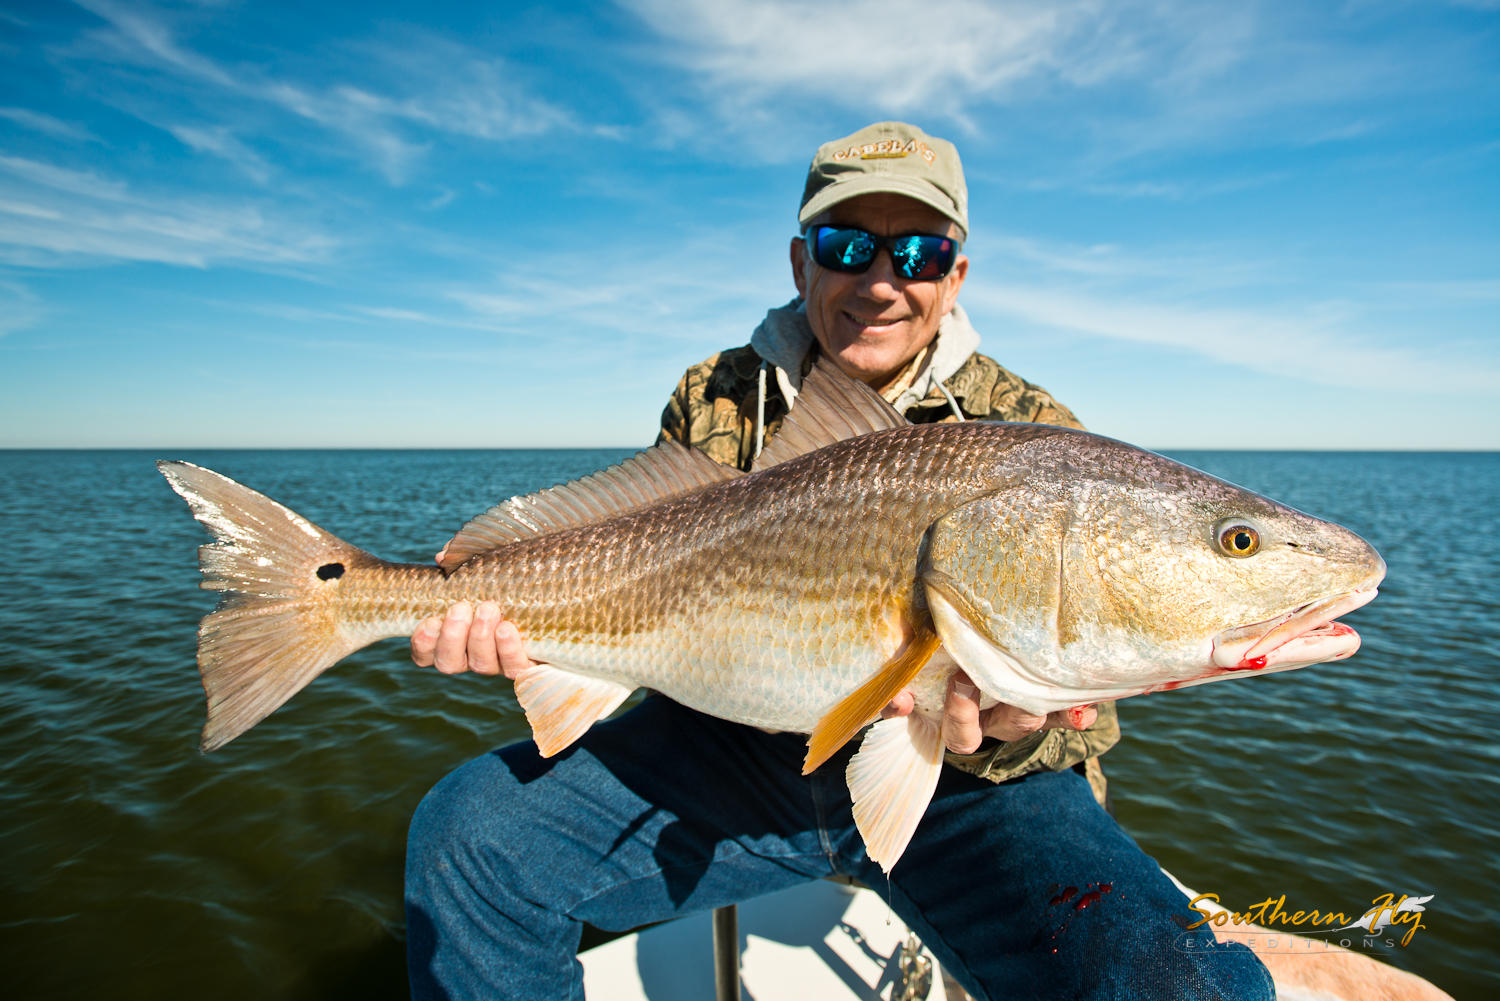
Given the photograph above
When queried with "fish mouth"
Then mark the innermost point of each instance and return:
(1305, 635)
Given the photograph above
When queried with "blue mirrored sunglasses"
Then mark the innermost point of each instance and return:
(916, 256)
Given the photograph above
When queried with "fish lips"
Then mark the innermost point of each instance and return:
(1305, 635)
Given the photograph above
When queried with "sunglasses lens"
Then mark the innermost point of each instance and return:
(922, 258)
(843, 249)
(916, 258)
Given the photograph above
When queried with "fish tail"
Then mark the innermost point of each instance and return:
(276, 626)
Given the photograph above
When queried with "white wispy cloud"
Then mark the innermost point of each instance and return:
(51, 214)
(686, 291)
(613, 304)
(134, 28)
(1320, 343)
(55, 178)
(1115, 266)
(220, 142)
(427, 86)
(467, 98)
(19, 307)
(1242, 310)
(941, 55)
(1122, 78)
(1457, 289)
(47, 124)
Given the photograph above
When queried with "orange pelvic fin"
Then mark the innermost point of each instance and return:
(561, 705)
(844, 720)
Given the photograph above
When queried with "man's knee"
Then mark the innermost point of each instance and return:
(462, 821)
(1213, 971)
(437, 819)
(482, 905)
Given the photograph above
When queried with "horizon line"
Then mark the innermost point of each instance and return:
(640, 448)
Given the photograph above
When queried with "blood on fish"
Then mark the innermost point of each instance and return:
(1249, 664)
(1075, 715)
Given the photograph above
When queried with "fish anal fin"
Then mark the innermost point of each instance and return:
(830, 408)
(844, 720)
(891, 781)
(661, 472)
(561, 705)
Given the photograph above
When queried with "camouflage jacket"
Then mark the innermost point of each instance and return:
(714, 405)
(714, 409)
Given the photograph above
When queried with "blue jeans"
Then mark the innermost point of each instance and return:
(664, 812)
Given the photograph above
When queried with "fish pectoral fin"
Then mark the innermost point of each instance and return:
(844, 720)
(891, 781)
(561, 705)
(949, 590)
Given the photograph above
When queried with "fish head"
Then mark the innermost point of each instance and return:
(1107, 571)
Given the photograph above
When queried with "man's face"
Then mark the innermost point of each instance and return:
(874, 323)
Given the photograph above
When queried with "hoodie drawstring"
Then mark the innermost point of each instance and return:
(760, 412)
(952, 403)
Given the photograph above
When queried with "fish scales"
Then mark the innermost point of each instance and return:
(732, 598)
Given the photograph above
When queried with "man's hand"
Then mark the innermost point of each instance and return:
(470, 638)
(965, 725)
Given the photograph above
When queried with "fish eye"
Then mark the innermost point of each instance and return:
(1237, 539)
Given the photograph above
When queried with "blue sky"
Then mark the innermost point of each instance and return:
(1242, 225)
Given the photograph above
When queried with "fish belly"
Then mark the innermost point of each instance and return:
(748, 669)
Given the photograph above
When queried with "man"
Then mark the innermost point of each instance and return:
(665, 811)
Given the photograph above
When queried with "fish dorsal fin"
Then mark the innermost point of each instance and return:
(660, 472)
(831, 407)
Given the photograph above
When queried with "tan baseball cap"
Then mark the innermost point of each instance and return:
(888, 156)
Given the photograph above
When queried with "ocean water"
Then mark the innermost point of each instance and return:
(133, 867)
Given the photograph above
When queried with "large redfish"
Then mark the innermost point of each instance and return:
(861, 557)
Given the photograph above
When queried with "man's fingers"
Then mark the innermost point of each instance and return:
(511, 649)
(453, 640)
(1077, 718)
(470, 638)
(901, 705)
(1005, 722)
(481, 646)
(961, 730)
(424, 641)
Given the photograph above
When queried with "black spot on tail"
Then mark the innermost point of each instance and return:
(330, 571)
